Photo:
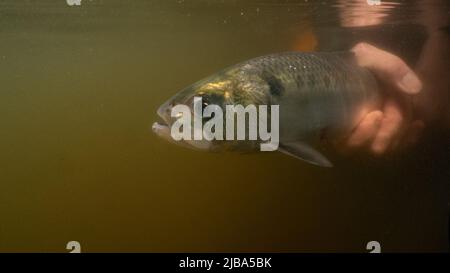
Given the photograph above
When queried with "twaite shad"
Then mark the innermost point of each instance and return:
(320, 96)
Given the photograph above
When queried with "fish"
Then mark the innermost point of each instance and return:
(321, 97)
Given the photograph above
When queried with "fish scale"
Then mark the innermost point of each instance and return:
(332, 85)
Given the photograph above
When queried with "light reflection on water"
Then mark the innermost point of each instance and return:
(80, 87)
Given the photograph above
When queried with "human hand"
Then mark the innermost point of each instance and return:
(386, 128)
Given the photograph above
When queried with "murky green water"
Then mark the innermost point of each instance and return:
(78, 161)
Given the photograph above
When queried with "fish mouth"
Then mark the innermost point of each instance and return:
(162, 129)
(164, 118)
(161, 126)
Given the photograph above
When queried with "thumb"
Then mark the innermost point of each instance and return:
(388, 67)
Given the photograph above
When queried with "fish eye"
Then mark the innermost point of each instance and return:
(204, 104)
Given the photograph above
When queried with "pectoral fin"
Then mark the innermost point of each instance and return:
(304, 152)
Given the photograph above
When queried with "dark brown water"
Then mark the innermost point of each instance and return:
(78, 161)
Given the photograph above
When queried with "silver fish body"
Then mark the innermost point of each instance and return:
(319, 95)
(315, 91)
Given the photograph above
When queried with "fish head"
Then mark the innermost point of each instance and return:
(212, 91)
(226, 88)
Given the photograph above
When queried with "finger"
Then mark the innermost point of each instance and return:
(388, 67)
(390, 128)
(366, 129)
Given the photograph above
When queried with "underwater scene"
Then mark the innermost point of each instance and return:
(87, 154)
